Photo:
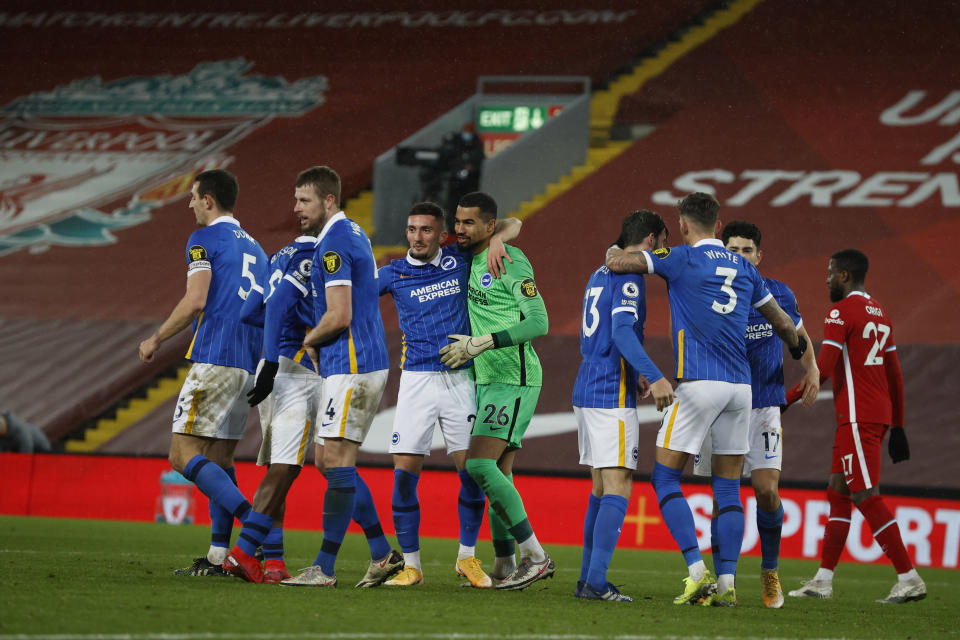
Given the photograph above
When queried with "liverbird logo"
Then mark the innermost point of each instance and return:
(133, 142)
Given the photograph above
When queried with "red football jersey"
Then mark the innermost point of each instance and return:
(859, 327)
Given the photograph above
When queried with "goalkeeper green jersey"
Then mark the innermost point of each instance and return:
(511, 309)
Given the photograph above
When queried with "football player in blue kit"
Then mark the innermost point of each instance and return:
(765, 459)
(604, 399)
(429, 288)
(711, 290)
(224, 265)
(348, 347)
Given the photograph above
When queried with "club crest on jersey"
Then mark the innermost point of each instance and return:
(636, 454)
(630, 289)
(331, 262)
(448, 262)
(305, 266)
(395, 439)
(528, 288)
(486, 280)
(662, 253)
(197, 252)
(88, 157)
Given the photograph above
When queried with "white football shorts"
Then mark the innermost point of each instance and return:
(702, 406)
(213, 402)
(608, 437)
(288, 415)
(766, 445)
(348, 405)
(428, 397)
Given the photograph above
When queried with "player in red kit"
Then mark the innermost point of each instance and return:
(859, 353)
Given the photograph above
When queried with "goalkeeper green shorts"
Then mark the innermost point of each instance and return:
(504, 411)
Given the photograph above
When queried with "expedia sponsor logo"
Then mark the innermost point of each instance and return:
(436, 290)
(834, 317)
(662, 253)
(528, 288)
(332, 262)
(197, 252)
(486, 280)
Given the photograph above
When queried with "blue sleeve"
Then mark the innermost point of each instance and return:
(252, 311)
(385, 279)
(630, 348)
(788, 302)
(666, 262)
(761, 294)
(279, 307)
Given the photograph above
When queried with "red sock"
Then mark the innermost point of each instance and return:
(838, 525)
(886, 531)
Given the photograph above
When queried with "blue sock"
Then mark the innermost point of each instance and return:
(273, 544)
(406, 510)
(770, 526)
(676, 511)
(338, 504)
(714, 543)
(217, 486)
(729, 523)
(255, 529)
(606, 532)
(221, 520)
(365, 515)
(593, 504)
(470, 507)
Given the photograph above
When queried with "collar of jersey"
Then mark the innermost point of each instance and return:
(420, 263)
(715, 241)
(310, 239)
(337, 217)
(858, 293)
(229, 219)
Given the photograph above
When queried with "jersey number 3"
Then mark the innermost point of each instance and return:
(728, 274)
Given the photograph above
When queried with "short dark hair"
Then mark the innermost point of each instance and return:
(483, 201)
(853, 261)
(219, 184)
(638, 225)
(427, 209)
(324, 179)
(741, 229)
(702, 208)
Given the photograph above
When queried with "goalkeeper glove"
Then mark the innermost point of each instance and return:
(798, 351)
(897, 446)
(264, 384)
(464, 348)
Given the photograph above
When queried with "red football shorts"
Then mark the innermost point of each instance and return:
(856, 454)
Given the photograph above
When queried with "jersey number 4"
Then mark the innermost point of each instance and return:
(880, 333)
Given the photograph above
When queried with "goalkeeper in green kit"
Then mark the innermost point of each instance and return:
(506, 313)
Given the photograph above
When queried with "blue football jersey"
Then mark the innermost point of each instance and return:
(344, 257)
(431, 299)
(606, 380)
(238, 266)
(289, 314)
(765, 349)
(711, 291)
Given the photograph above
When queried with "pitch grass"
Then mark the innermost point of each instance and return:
(96, 580)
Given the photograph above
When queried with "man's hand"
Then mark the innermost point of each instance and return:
(662, 392)
(495, 256)
(643, 387)
(464, 348)
(613, 253)
(314, 357)
(797, 352)
(264, 384)
(897, 446)
(148, 347)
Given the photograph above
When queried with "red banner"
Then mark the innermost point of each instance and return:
(131, 489)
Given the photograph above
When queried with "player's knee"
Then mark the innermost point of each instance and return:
(768, 498)
(480, 469)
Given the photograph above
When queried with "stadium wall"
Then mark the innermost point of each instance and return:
(122, 488)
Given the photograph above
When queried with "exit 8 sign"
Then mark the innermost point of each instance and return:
(514, 119)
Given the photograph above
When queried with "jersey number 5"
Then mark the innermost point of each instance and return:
(880, 333)
(248, 260)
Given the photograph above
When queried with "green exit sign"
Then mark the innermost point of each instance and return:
(516, 119)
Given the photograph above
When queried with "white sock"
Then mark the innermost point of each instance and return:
(504, 565)
(697, 569)
(531, 548)
(412, 559)
(466, 552)
(216, 555)
(911, 575)
(725, 581)
(824, 574)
